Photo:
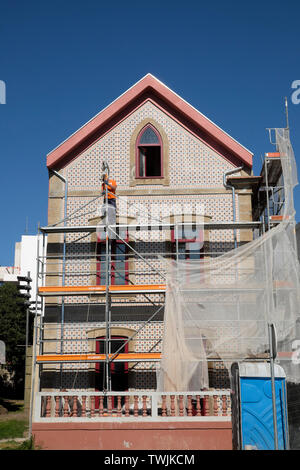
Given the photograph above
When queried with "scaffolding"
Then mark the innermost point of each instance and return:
(270, 197)
(260, 314)
(109, 291)
(269, 213)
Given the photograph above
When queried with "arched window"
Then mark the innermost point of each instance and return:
(149, 153)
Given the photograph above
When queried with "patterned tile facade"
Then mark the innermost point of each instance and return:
(192, 165)
(192, 162)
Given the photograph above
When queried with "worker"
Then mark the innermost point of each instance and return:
(111, 186)
(111, 190)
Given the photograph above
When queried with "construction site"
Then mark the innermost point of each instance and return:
(167, 314)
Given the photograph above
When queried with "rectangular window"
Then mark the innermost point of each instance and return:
(190, 244)
(119, 268)
(150, 162)
(118, 265)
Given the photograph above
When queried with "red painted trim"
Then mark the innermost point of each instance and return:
(186, 125)
(148, 84)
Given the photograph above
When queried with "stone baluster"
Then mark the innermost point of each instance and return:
(75, 407)
(101, 407)
(224, 405)
(172, 405)
(119, 408)
(127, 406)
(206, 405)
(181, 406)
(144, 405)
(92, 406)
(66, 406)
(83, 410)
(198, 406)
(109, 405)
(215, 398)
(57, 403)
(164, 406)
(136, 406)
(48, 406)
(190, 408)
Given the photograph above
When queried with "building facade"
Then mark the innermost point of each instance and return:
(171, 164)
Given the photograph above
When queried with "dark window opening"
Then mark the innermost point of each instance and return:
(150, 162)
(118, 370)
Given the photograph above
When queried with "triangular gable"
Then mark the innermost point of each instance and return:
(151, 88)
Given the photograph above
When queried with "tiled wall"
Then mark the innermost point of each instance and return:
(192, 164)
(75, 375)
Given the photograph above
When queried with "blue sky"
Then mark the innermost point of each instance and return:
(62, 62)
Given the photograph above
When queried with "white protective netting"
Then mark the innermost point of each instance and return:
(221, 307)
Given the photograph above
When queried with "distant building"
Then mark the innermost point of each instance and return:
(26, 258)
(9, 274)
(25, 261)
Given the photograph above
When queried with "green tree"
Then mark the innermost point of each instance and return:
(13, 333)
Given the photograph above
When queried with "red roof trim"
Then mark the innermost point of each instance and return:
(84, 136)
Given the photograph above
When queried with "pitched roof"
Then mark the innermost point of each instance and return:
(151, 88)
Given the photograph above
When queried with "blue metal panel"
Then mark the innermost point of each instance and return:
(257, 414)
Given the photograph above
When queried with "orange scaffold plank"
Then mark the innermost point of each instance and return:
(279, 217)
(81, 290)
(273, 155)
(125, 357)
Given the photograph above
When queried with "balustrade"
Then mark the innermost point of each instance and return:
(60, 406)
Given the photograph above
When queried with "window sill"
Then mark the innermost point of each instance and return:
(162, 181)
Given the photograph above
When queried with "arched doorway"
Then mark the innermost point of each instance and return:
(119, 371)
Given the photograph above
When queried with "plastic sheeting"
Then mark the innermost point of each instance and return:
(220, 308)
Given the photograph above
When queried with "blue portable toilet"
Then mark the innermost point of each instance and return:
(253, 408)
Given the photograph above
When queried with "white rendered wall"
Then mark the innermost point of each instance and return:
(26, 257)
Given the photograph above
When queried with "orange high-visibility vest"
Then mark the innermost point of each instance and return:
(109, 190)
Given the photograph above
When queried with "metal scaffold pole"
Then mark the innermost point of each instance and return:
(34, 340)
(107, 292)
(267, 193)
(273, 387)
